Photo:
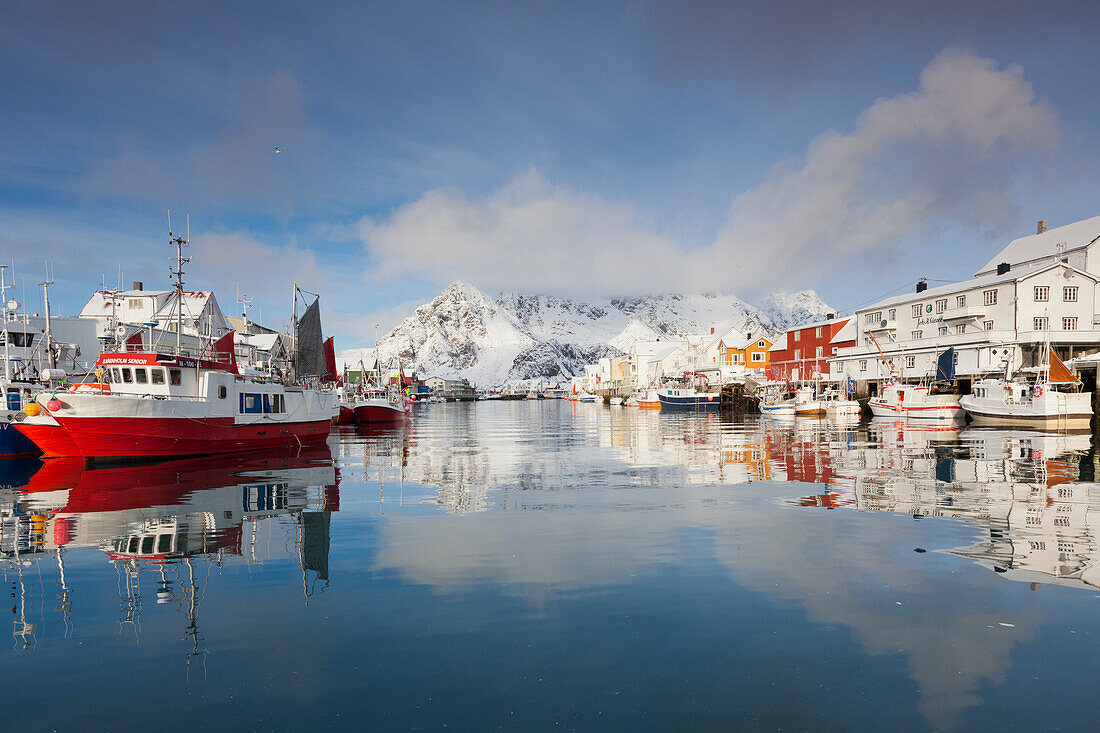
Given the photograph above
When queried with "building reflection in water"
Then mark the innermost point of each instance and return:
(1020, 487)
(174, 521)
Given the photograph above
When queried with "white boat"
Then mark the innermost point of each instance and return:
(806, 403)
(838, 405)
(774, 404)
(616, 401)
(1043, 403)
(915, 402)
(631, 401)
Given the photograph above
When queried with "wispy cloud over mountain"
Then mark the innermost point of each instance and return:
(950, 151)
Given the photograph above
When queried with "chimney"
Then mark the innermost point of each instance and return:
(830, 316)
(1004, 267)
(137, 284)
(922, 285)
(712, 330)
(1042, 226)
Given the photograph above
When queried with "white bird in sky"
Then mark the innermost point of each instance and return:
(277, 150)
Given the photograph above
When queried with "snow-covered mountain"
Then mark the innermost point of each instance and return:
(464, 332)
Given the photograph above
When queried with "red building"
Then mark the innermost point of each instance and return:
(802, 352)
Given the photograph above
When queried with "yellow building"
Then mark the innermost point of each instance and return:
(750, 353)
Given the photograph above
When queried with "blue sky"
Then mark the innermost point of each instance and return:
(576, 148)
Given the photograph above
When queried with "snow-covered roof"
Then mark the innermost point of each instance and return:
(780, 342)
(101, 302)
(194, 303)
(1041, 246)
(262, 341)
(977, 282)
(847, 332)
(648, 348)
(818, 323)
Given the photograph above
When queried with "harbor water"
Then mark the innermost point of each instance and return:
(548, 565)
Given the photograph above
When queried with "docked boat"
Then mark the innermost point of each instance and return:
(921, 401)
(915, 402)
(151, 404)
(1052, 400)
(616, 401)
(649, 400)
(585, 397)
(838, 405)
(806, 403)
(687, 398)
(775, 405)
(379, 405)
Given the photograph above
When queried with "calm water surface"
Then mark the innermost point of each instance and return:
(552, 565)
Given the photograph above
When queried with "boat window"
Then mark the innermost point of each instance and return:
(250, 403)
(267, 403)
(156, 376)
(174, 377)
(164, 543)
(133, 544)
(105, 376)
(221, 392)
(126, 376)
(140, 376)
(117, 374)
(280, 403)
(147, 544)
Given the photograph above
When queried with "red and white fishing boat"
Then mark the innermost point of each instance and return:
(150, 404)
(145, 403)
(378, 405)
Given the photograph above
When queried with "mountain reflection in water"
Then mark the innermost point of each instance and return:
(544, 564)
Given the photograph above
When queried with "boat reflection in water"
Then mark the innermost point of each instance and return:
(1020, 487)
(167, 518)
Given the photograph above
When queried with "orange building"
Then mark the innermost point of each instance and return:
(750, 353)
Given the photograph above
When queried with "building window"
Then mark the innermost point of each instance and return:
(1069, 293)
(817, 333)
(834, 351)
(797, 354)
(135, 304)
(1040, 323)
(961, 328)
(893, 314)
(797, 335)
(941, 305)
(760, 344)
(916, 335)
(943, 330)
(990, 297)
(863, 365)
(960, 301)
(916, 311)
(988, 325)
(1069, 324)
(1042, 293)
(758, 356)
(818, 354)
(910, 362)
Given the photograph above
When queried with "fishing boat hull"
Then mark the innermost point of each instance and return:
(778, 410)
(945, 411)
(370, 411)
(810, 410)
(14, 442)
(48, 436)
(687, 399)
(346, 416)
(142, 437)
(1060, 412)
(843, 409)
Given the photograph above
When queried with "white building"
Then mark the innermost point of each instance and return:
(156, 312)
(1038, 287)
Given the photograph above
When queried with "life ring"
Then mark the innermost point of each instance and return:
(1038, 390)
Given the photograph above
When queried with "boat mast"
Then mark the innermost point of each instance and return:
(4, 324)
(178, 274)
(46, 301)
(294, 330)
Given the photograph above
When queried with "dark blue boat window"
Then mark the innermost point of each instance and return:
(250, 403)
(267, 403)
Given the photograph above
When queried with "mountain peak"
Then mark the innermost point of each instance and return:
(464, 332)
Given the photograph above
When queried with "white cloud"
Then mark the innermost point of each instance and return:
(529, 235)
(951, 151)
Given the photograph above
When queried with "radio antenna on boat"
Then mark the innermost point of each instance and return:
(177, 272)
